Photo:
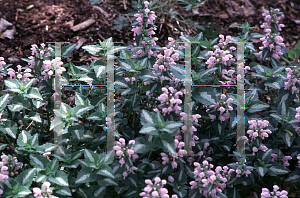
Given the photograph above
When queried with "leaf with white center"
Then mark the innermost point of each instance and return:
(15, 107)
(38, 160)
(34, 93)
(121, 84)
(173, 125)
(3, 101)
(106, 171)
(149, 129)
(28, 84)
(12, 83)
(124, 64)
(99, 191)
(23, 138)
(278, 171)
(25, 178)
(90, 156)
(35, 117)
(107, 182)
(92, 49)
(9, 129)
(147, 117)
(67, 50)
(99, 70)
(38, 103)
(60, 179)
(79, 99)
(23, 191)
(170, 147)
(256, 106)
(65, 191)
(72, 69)
(86, 78)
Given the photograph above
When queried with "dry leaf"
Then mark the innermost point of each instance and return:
(223, 15)
(233, 25)
(4, 31)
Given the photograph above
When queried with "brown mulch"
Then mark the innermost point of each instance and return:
(40, 21)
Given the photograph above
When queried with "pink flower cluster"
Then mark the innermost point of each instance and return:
(50, 66)
(222, 55)
(8, 168)
(141, 30)
(171, 103)
(24, 77)
(258, 130)
(275, 194)
(180, 153)
(290, 84)
(162, 63)
(204, 175)
(121, 150)
(1, 66)
(45, 192)
(221, 107)
(277, 43)
(157, 189)
(284, 159)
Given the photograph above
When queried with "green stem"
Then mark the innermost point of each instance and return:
(10, 145)
(286, 60)
(151, 148)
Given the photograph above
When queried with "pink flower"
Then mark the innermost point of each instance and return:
(37, 191)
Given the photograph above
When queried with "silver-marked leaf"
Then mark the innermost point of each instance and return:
(67, 50)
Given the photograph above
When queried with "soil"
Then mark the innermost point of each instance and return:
(32, 17)
(40, 21)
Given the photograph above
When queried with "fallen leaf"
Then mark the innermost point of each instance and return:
(223, 15)
(233, 25)
(4, 31)
(248, 11)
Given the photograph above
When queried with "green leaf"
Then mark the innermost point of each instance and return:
(53, 165)
(278, 171)
(106, 171)
(84, 175)
(178, 71)
(38, 103)
(99, 190)
(266, 53)
(77, 131)
(276, 63)
(99, 71)
(207, 72)
(12, 84)
(86, 78)
(204, 97)
(40, 162)
(80, 110)
(261, 171)
(25, 178)
(23, 138)
(10, 128)
(64, 191)
(3, 101)
(92, 49)
(34, 116)
(107, 182)
(34, 93)
(173, 126)
(169, 147)
(149, 129)
(90, 156)
(286, 136)
(147, 117)
(255, 106)
(23, 191)
(60, 179)
(267, 156)
(72, 69)
(67, 50)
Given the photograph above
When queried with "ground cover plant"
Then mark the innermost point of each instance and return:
(149, 120)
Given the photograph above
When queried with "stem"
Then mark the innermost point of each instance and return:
(286, 60)
(151, 148)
